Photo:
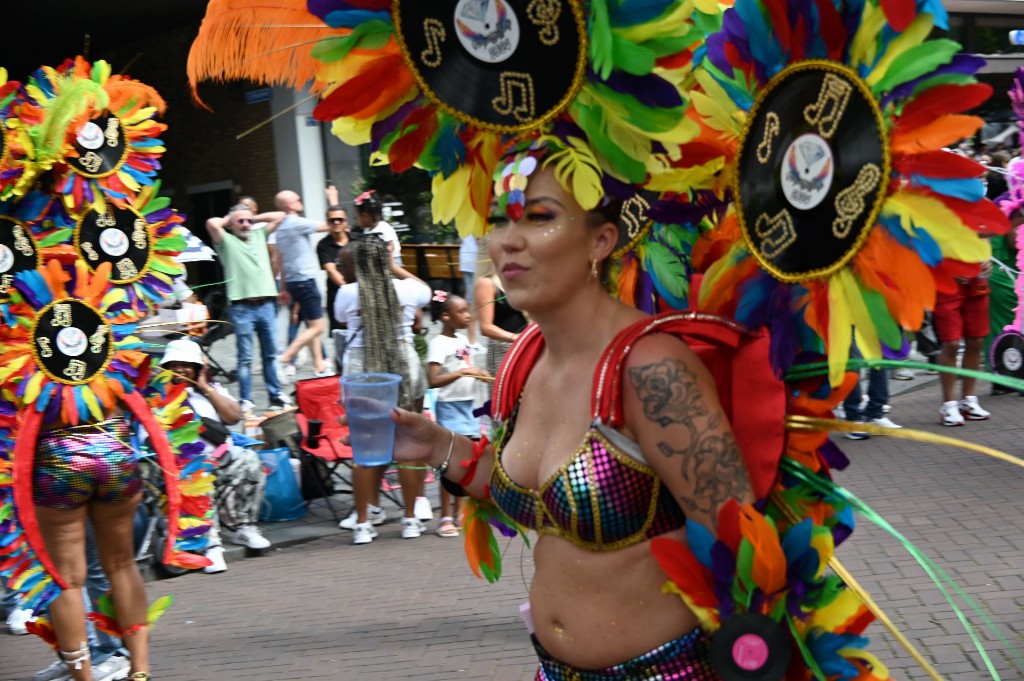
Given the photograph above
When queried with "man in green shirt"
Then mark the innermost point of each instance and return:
(252, 294)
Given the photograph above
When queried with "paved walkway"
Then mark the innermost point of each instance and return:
(318, 607)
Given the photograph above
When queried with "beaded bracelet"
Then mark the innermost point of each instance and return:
(443, 468)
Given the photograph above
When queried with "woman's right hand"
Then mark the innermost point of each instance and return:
(416, 436)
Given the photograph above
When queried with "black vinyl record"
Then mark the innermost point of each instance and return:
(750, 647)
(1006, 355)
(101, 147)
(71, 342)
(119, 236)
(634, 223)
(813, 169)
(503, 65)
(18, 252)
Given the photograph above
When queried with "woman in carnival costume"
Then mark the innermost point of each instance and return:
(657, 467)
(87, 247)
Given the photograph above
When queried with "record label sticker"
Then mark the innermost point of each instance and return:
(71, 341)
(812, 173)
(501, 65)
(487, 29)
(806, 174)
(18, 252)
(120, 236)
(90, 136)
(1012, 359)
(750, 652)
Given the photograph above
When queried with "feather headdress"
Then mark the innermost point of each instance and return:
(448, 87)
(801, 90)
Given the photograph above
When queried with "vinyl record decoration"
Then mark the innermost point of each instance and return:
(18, 252)
(750, 647)
(488, 62)
(1006, 354)
(634, 222)
(119, 236)
(71, 342)
(101, 147)
(812, 170)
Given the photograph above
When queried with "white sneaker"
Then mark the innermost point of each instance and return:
(971, 410)
(215, 554)
(903, 374)
(839, 412)
(250, 536)
(289, 370)
(857, 435)
(17, 620)
(422, 509)
(363, 533)
(248, 408)
(884, 422)
(374, 514)
(949, 414)
(113, 668)
(57, 671)
(412, 528)
(325, 372)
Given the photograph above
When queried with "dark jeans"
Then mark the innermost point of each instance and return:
(878, 394)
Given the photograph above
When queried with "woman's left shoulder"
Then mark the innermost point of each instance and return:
(658, 347)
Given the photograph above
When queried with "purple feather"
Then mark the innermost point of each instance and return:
(645, 299)
(382, 129)
(833, 456)
(966, 64)
(894, 353)
(52, 412)
(723, 567)
(322, 8)
(505, 530)
(159, 215)
(652, 91)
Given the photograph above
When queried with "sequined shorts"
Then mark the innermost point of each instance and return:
(87, 463)
(687, 658)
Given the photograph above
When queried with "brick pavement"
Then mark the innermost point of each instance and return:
(410, 609)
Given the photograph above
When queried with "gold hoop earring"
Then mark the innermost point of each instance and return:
(593, 269)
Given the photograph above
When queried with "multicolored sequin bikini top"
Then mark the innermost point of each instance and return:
(603, 499)
(606, 497)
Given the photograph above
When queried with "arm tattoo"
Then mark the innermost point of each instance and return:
(712, 462)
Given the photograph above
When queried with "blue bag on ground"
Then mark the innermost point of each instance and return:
(282, 499)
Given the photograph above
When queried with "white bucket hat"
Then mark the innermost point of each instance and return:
(183, 350)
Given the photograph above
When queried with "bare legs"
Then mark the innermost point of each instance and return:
(310, 336)
(63, 532)
(971, 360)
(114, 527)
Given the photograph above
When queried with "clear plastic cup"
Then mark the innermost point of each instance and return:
(368, 400)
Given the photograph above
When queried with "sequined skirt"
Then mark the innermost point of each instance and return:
(687, 658)
(74, 466)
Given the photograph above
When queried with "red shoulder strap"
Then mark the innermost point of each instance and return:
(514, 370)
(753, 398)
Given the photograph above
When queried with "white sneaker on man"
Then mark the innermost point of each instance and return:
(903, 374)
(884, 422)
(971, 410)
(422, 509)
(412, 528)
(215, 554)
(248, 408)
(374, 514)
(251, 537)
(949, 414)
(113, 668)
(363, 533)
(16, 621)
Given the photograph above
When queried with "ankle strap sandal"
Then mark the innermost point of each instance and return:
(75, 659)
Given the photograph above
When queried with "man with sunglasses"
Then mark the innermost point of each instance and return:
(327, 250)
(252, 294)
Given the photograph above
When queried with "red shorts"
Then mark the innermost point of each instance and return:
(963, 314)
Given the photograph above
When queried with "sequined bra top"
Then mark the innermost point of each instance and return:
(601, 499)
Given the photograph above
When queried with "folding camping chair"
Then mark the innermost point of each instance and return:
(283, 430)
(319, 399)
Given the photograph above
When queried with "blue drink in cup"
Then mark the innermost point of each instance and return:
(368, 400)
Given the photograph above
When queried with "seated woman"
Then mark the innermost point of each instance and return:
(239, 471)
(596, 496)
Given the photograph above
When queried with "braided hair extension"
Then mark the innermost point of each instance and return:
(381, 315)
